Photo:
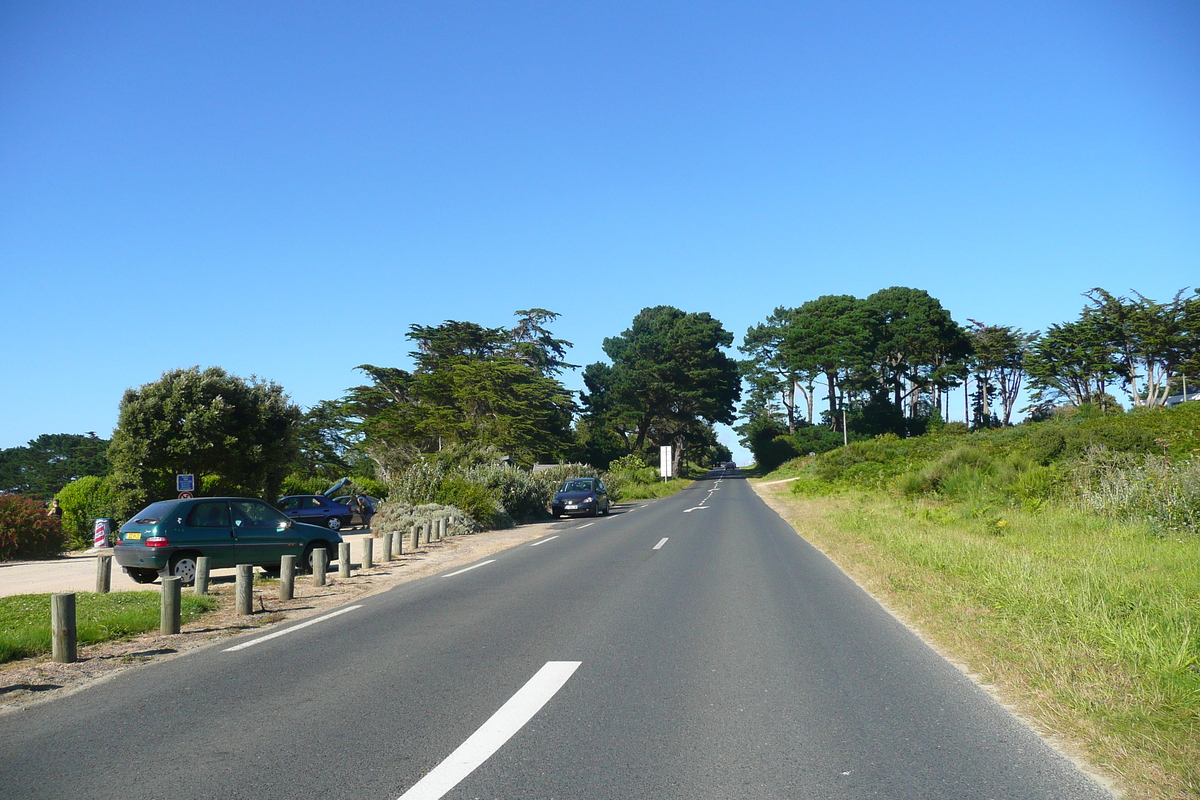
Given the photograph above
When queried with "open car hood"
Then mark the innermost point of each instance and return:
(329, 492)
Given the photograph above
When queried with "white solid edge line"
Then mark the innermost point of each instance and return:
(581, 527)
(253, 642)
(543, 541)
(468, 569)
(492, 735)
(661, 543)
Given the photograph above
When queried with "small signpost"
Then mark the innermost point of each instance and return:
(185, 485)
(665, 465)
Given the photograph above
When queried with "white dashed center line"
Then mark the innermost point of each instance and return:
(473, 566)
(661, 543)
(270, 636)
(511, 717)
(543, 541)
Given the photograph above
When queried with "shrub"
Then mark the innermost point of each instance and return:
(478, 502)
(396, 517)
(1141, 487)
(521, 495)
(301, 484)
(84, 501)
(26, 531)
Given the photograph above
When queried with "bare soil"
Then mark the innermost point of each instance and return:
(35, 680)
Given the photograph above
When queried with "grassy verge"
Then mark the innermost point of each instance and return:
(1091, 627)
(649, 491)
(25, 619)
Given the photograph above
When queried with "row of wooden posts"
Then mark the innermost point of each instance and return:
(62, 605)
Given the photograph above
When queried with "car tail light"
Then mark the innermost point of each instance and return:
(156, 541)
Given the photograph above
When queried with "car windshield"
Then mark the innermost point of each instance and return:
(154, 512)
(576, 486)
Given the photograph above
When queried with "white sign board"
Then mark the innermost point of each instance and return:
(664, 462)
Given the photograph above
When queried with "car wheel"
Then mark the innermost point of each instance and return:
(183, 566)
(306, 560)
(143, 575)
(595, 512)
(334, 523)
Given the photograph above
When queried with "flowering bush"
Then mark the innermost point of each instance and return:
(26, 531)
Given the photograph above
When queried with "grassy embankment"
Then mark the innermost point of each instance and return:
(25, 619)
(1065, 574)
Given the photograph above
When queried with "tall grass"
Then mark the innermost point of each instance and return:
(25, 619)
(1090, 625)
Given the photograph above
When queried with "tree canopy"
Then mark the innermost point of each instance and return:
(492, 388)
(668, 381)
(236, 436)
(51, 461)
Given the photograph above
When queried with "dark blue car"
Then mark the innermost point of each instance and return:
(585, 496)
(316, 509)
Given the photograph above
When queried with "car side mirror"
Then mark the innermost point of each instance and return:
(283, 526)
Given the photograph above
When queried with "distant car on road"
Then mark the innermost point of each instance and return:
(316, 509)
(580, 496)
(165, 538)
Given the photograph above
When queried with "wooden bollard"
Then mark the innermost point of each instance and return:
(415, 535)
(385, 554)
(368, 548)
(170, 614)
(62, 627)
(201, 584)
(103, 572)
(344, 560)
(320, 558)
(287, 577)
(245, 590)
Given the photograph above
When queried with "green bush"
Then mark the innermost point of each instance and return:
(477, 501)
(302, 484)
(1152, 488)
(84, 501)
(522, 496)
(26, 531)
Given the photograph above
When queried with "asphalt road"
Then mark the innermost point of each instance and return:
(693, 647)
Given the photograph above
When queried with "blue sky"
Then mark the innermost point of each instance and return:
(281, 189)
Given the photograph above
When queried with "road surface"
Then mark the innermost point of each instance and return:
(692, 647)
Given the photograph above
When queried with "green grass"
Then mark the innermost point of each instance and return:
(649, 491)
(25, 619)
(1091, 625)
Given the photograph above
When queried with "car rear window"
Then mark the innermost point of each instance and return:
(152, 513)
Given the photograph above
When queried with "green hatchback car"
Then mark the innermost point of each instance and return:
(166, 538)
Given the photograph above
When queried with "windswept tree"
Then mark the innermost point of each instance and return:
(831, 336)
(1071, 362)
(999, 363)
(487, 388)
(770, 372)
(668, 378)
(1146, 339)
(918, 345)
(236, 436)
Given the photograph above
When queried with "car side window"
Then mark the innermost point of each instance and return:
(314, 502)
(209, 515)
(253, 514)
(289, 504)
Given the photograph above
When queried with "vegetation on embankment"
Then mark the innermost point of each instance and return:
(1058, 560)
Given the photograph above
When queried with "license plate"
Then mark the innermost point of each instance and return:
(572, 506)
(129, 536)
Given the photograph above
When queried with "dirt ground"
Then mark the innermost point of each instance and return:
(35, 680)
